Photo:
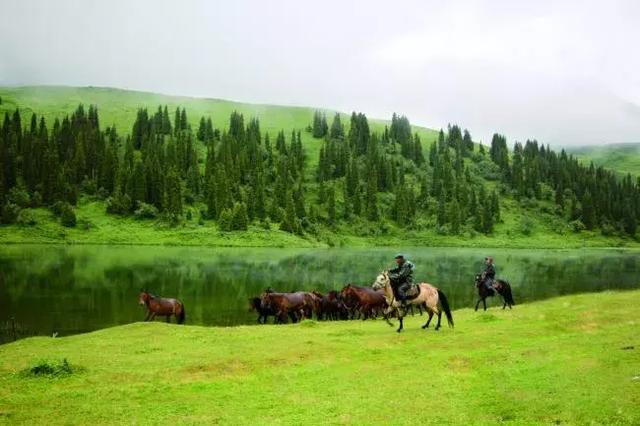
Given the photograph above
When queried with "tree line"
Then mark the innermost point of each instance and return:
(237, 175)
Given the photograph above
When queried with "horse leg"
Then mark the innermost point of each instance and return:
(478, 303)
(504, 299)
(152, 317)
(426, 324)
(439, 318)
(401, 319)
(484, 302)
(169, 319)
(147, 316)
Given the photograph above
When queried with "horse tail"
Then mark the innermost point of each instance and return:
(445, 307)
(182, 314)
(507, 294)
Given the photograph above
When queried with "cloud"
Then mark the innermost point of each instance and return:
(562, 72)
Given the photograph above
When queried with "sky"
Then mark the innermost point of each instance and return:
(562, 72)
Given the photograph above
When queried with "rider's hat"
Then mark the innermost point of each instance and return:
(399, 256)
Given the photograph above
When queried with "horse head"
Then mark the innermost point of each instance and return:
(478, 280)
(144, 297)
(382, 280)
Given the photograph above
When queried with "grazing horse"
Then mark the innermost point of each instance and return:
(255, 304)
(502, 287)
(365, 300)
(432, 298)
(161, 306)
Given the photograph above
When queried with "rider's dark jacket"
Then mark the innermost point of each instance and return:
(490, 272)
(402, 276)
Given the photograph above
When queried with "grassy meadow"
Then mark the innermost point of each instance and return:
(624, 157)
(568, 360)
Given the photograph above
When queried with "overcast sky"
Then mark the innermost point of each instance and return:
(562, 72)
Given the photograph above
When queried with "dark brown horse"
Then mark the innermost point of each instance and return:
(331, 306)
(364, 300)
(255, 304)
(502, 287)
(161, 306)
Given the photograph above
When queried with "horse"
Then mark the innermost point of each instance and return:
(502, 287)
(331, 306)
(365, 300)
(255, 304)
(287, 305)
(429, 296)
(162, 306)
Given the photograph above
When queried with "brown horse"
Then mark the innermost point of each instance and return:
(293, 305)
(429, 296)
(502, 287)
(332, 307)
(161, 306)
(364, 300)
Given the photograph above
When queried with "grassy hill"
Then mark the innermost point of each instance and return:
(118, 107)
(623, 157)
(561, 361)
(527, 223)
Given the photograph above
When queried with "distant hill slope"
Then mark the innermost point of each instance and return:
(622, 157)
(118, 106)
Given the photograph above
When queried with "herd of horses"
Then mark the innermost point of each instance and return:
(351, 302)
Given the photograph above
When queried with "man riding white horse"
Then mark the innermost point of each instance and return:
(402, 278)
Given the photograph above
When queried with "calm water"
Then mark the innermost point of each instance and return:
(72, 289)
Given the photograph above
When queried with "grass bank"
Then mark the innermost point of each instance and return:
(569, 360)
(96, 227)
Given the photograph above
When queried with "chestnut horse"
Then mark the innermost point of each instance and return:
(429, 296)
(365, 300)
(501, 287)
(163, 307)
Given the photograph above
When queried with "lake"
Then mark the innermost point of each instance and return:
(51, 289)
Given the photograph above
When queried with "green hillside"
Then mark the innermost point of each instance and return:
(118, 107)
(378, 182)
(569, 360)
(623, 158)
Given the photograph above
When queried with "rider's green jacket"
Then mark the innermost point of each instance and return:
(403, 274)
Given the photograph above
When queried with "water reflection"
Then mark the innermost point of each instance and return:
(71, 289)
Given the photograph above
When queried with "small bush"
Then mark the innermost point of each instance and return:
(58, 207)
(9, 213)
(526, 225)
(225, 220)
(50, 369)
(19, 195)
(608, 230)
(119, 204)
(577, 225)
(146, 211)
(26, 218)
(68, 217)
(36, 199)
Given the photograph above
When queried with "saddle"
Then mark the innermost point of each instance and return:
(413, 291)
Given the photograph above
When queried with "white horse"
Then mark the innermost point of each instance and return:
(431, 297)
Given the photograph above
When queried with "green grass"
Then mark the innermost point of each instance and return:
(623, 158)
(569, 360)
(96, 227)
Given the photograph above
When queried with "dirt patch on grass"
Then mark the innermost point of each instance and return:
(216, 370)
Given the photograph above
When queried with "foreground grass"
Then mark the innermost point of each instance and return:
(570, 360)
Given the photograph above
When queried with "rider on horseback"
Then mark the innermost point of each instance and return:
(489, 273)
(402, 277)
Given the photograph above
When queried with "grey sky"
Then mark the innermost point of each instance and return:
(562, 72)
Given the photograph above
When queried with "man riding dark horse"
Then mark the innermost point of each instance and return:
(402, 278)
(489, 273)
